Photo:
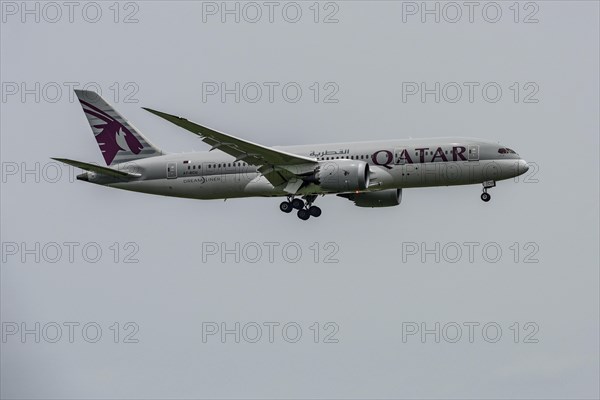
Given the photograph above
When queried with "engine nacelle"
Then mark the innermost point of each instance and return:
(381, 198)
(341, 175)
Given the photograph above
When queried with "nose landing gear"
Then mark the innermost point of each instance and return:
(305, 209)
(485, 196)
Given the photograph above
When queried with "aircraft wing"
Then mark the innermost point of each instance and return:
(277, 166)
(241, 149)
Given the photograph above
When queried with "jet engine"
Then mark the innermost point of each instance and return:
(381, 198)
(341, 175)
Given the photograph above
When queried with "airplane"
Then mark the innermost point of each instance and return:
(370, 174)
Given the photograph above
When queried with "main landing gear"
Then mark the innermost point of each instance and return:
(485, 196)
(305, 209)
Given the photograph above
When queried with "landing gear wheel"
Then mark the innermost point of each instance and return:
(297, 204)
(487, 185)
(286, 207)
(314, 211)
(303, 214)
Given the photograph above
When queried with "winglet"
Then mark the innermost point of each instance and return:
(166, 116)
(181, 122)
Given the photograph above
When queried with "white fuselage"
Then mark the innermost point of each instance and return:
(392, 164)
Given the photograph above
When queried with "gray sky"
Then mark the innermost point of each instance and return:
(542, 291)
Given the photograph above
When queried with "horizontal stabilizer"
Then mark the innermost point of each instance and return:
(98, 169)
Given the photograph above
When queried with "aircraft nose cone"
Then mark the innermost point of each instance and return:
(523, 167)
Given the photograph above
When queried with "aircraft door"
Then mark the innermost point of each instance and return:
(171, 170)
(473, 152)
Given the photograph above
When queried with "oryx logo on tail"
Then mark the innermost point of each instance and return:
(113, 136)
(118, 140)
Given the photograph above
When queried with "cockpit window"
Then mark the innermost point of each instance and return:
(506, 150)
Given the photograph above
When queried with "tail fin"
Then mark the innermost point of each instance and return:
(118, 140)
